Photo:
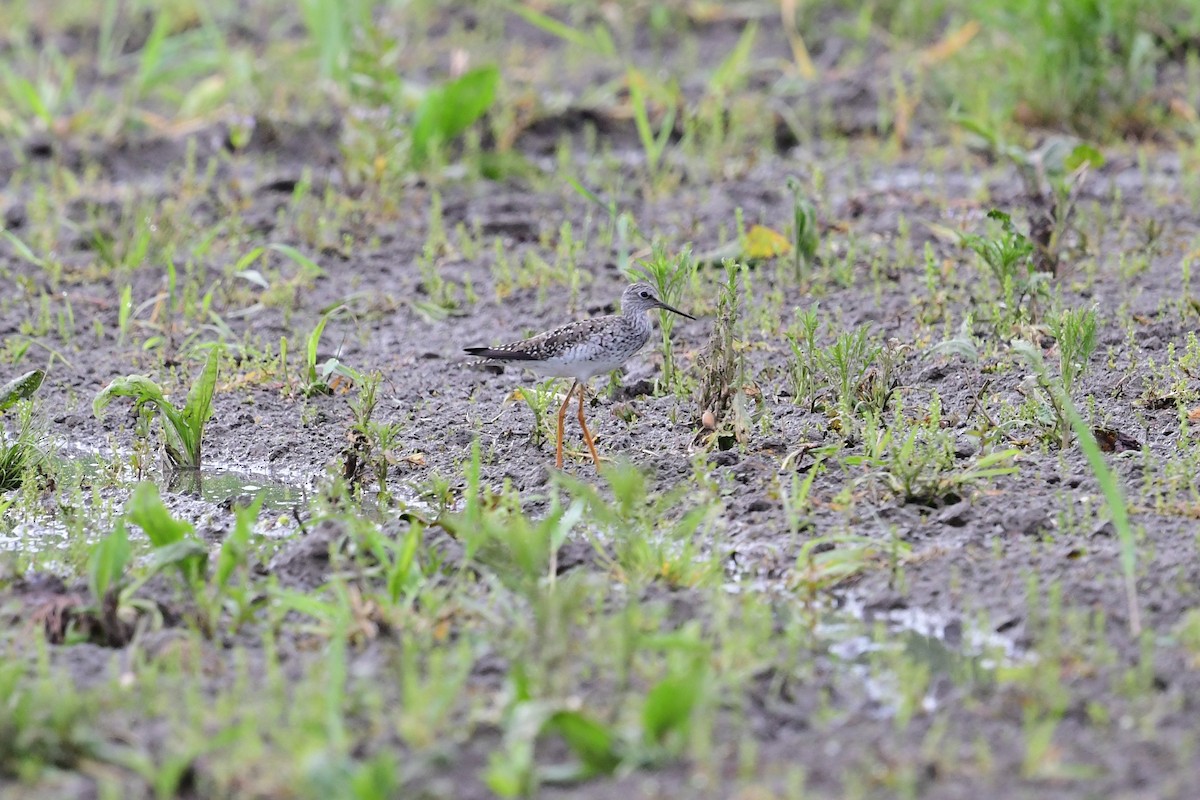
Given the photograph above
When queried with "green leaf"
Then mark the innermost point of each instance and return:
(1083, 154)
(198, 409)
(398, 578)
(589, 195)
(591, 741)
(562, 526)
(107, 561)
(139, 387)
(448, 110)
(237, 544)
(21, 388)
(146, 510)
(188, 554)
(314, 340)
(669, 705)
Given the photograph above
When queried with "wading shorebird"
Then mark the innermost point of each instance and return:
(582, 350)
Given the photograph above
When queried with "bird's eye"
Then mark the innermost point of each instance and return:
(644, 294)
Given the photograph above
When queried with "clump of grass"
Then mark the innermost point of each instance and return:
(44, 724)
(643, 93)
(826, 561)
(853, 376)
(1009, 257)
(652, 536)
(915, 460)
(183, 428)
(540, 399)
(372, 442)
(1087, 64)
(667, 714)
(224, 587)
(1075, 333)
(17, 454)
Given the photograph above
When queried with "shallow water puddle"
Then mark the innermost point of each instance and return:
(216, 483)
(908, 658)
(200, 498)
(220, 485)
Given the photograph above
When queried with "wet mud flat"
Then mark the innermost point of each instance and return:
(866, 572)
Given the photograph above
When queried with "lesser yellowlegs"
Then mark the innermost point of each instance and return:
(583, 350)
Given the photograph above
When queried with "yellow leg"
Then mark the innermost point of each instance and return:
(562, 416)
(587, 436)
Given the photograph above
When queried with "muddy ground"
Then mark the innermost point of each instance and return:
(982, 561)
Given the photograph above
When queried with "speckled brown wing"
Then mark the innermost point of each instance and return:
(546, 345)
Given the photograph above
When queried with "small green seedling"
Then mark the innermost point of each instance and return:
(319, 379)
(668, 711)
(539, 398)
(172, 539)
(806, 236)
(182, 428)
(1053, 176)
(233, 561)
(174, 544)
(1075, 332)
(1009, 257)
(826, 561)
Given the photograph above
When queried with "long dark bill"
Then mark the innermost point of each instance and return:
(673, 310)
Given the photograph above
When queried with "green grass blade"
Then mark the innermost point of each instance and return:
(22, 249)
(729, 73)
(553, 27)
(310, 267)
(1114, 498)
